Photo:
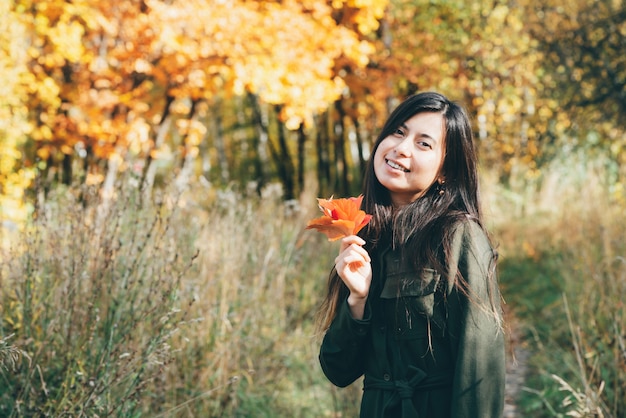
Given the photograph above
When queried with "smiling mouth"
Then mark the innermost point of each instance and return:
(396, 166)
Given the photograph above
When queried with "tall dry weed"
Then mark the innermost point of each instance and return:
(196, 305)
(567, 229)
(92, 305)
(261, 280)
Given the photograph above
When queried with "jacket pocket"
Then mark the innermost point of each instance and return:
(418, 284)
(411, 297)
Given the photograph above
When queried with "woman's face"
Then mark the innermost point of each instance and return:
(408, 161)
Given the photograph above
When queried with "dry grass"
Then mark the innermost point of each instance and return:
(260, 281)
(93, 303)
(203, 305)
(190, 306)
(564, 271)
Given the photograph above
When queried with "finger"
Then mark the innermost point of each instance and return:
(350, 240)
(353, 260)
(355, 249)
(361, 251)
(352, 253)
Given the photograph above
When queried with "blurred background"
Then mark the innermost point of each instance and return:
(160, 159)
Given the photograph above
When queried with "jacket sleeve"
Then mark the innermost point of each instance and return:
(476, 335)
(342, 352)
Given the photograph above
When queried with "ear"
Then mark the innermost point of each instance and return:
(441, 180)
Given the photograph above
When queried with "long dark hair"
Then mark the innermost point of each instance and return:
(422, 228)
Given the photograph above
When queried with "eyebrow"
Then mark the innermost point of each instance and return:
(421, 134)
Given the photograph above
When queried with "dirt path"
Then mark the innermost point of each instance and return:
(515, 377)
(516, 369)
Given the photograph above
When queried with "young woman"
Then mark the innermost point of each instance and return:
(413, 302)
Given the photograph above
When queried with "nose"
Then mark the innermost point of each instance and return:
(404, 147)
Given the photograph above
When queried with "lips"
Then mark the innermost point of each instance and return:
(396, 166)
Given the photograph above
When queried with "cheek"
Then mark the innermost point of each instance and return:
(383, 148)
(379, 162)
(378, 155)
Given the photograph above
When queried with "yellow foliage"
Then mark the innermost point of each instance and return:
(193, 130)
(49, 92)
(138, 136)
(94, 179)
(67, 38)
(294, 68)
(367, 13)
(14, 176)
(98, 76)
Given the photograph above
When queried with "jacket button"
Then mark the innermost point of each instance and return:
(386, 377)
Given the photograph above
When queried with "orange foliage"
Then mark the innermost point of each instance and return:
(101, 70)
(106, 78)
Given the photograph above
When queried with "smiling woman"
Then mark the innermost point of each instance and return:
(409, 160)
(419, 316)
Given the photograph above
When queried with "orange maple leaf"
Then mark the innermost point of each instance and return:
(342, 217)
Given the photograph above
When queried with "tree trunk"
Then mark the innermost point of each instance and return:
(66, 175)
(149, 170)
(359, 146)
(150, 167)
(107, 191)
(301, 157)
(220, 146)
(259, 142)
(280, 156)
(284, 162)
(190, 152)
(322, 145)
(342, 181)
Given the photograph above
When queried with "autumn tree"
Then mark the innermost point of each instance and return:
(113, 82)
(583, 44)
(477, 53)
(15, 175)
(228, 90)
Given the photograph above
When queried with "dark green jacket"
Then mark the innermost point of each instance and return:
(427, 350)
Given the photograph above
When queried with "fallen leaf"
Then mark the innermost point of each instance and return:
(342, 217)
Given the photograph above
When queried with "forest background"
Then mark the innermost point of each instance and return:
(160, 160)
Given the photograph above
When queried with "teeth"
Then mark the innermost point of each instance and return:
(396, 166)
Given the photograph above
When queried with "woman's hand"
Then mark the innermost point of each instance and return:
(353, 264)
